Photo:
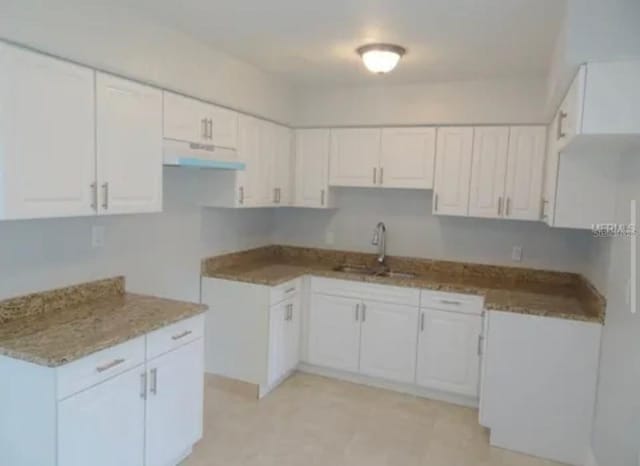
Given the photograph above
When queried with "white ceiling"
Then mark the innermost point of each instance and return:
(313, 42)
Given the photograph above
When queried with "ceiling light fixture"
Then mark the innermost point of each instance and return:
(381, 58)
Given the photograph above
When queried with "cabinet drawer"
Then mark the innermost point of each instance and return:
(465, 303)
(284, 291)
(366, 291)
(99, 366)
(174, 335)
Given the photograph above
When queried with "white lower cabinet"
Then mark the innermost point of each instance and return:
(139, 403)
(380, 331)
(334, 332)
(175, 392)
(104, 425)
(449, 351)
(284, 339)
(388, 341)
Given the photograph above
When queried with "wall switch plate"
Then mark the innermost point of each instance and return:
(97, 236)
(329, 238)
(516, 253)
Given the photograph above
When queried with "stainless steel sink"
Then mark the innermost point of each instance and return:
(364, 270)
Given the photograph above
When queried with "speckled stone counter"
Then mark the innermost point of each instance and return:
(510, 289)
(55, 327)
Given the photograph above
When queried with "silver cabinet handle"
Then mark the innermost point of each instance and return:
(480, 341)
(94, 196)
(450, 301)
(381, 175)
(289, 312)
(181, 335)
(364, 312)
(275, 195)
(357, 312)
(422, 322)
(543, 208)
(210, 128)
(143, 385)
(507, 210)
(241, 195)
(435, 202)
(322, 197)
(375, 178)
(290, 290)
(105, 192)
(500, 205)
(153, 386)
(109, 365)
(203, 128)
(561, 117)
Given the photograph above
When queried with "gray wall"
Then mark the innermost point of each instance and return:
(158, 253)
(414, 231)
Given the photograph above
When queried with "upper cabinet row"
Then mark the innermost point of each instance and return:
(491, 172)
(74, 142)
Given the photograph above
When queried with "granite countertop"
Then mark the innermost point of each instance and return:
(510, 289)
(59, 326)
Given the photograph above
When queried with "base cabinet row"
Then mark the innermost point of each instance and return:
(432, 348)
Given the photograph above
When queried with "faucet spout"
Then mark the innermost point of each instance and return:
(379, 239)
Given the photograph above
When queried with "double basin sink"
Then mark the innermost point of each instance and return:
(374, 272)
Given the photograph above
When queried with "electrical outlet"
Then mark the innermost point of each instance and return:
(329, 238)
(97, 236)
(516, 253)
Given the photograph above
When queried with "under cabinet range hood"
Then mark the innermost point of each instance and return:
(198, 155)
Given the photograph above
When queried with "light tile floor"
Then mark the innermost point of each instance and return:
(316, 421)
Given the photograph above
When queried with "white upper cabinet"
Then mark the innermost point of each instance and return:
(407, 158)
(523, 192)
(281, 174)
(453, 171)
(488, 171)
(312, 168)
(251, 183)
(47, 136)
(355, 156)
(602, 104)
(129, 146)
(188, 119)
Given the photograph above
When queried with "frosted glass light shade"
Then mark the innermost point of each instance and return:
(381, 58)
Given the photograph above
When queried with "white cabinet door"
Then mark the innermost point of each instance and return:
(250, 182)
(223, 131)
(47, 136)
(278, 315)
(551, 168)
(282, 167)
(334, 332)
(267, 142)
(129, 143)
(174, 404)
(408, 158)
(185, 119)
(292, 335)
(355, 157)
(312, 168)
(104, 425)
(569, 122)
(488, 171)
(388, 341)
(525, 172)
(448, 356)
(453, 171)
